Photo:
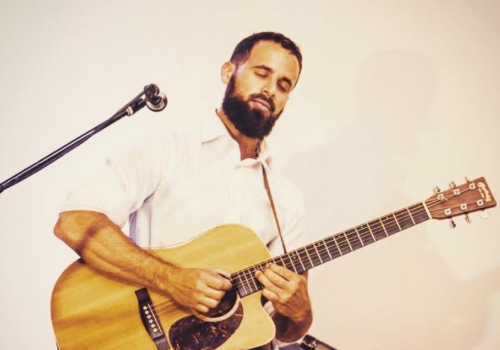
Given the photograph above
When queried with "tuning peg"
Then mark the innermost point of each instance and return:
(436, 189)
(467, 218)
(452, 223)
(452, 184)
(484, 214)
(467, 179)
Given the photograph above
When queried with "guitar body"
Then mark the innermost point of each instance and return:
(92, 311)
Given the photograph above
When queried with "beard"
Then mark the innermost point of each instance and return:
(250, 122)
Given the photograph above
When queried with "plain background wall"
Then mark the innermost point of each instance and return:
(395, 98)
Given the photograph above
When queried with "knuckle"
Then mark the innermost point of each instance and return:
(270, 296)
(198, 285)
(284, 298)
(220, 283)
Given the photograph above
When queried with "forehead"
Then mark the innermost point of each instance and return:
(277, 58)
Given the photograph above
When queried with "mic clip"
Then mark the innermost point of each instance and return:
(155, 100)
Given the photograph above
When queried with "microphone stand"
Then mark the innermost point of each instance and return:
(136, 104)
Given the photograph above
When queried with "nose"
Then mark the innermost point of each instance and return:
(269, 88)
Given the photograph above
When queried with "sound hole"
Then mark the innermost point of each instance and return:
(193, 333)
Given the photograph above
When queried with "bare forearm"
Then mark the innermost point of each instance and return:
(104, 246)
(288, 330)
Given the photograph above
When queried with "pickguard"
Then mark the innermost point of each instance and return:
(191, 333)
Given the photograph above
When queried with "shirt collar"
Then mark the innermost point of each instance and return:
(213, 128)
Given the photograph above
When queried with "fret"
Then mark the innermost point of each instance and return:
(411, 217)
(282, 261)
(371, 232)
(247, 282)
(377, 229)
(342, 243)
(365, 234)
(335, 246)
(354, 239)
(305, 258)
(390, 225)
(386, 234)
(292, 263)
(318, 254)
(327, 249)
(348, 240)
(419, 213)
(241, 284)
(404, 220)
(289, 265)
(396, 221)
(313, 255)
(293, 258)
(362, 243)
(251, 276)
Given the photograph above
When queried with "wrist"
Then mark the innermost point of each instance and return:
(163, 274)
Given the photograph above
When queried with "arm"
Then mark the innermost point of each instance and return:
(287, 291)
(106, 248)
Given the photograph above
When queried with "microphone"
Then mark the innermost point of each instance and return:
(155, 99)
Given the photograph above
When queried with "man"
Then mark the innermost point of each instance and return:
(185, 183)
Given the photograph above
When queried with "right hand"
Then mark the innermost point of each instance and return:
(197, 289)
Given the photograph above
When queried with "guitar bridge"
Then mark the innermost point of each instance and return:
(150, 319)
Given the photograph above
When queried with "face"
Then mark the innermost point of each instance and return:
(259, 88)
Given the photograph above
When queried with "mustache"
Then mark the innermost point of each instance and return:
(266, 99)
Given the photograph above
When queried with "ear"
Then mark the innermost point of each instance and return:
(227, 71)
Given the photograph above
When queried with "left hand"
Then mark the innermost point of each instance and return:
(287, 291)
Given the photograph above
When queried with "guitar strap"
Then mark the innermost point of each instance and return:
(268, 189)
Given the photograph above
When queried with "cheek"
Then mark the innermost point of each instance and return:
(281, 102)
(247, 84)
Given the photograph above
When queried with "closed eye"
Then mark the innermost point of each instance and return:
(284, 86)
(261, 73)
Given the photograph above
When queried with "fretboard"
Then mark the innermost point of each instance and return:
(334, 246)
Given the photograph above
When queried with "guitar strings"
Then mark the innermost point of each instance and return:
(249, 273)
(163, 307)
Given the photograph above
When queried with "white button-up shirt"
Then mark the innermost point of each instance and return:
(180, 184)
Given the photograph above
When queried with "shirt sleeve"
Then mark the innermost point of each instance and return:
(128, 180)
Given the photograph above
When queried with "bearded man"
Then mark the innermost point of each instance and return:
(178, 185)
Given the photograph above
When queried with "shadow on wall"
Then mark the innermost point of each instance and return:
(400, 294)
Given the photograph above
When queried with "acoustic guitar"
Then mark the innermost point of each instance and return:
(92, 311)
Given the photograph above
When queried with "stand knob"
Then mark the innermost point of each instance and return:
(452, 223)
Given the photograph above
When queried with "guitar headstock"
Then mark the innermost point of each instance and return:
(460, 200)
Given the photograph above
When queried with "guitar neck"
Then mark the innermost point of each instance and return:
(335, 246)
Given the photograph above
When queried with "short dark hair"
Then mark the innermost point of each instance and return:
(244, 47)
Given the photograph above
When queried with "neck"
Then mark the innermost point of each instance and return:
(248, 145)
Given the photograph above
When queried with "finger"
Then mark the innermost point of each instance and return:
(217, 282)
(214, 294)
(209, 302)
(269, 295)
(282, 271)
(223, 273)
(276, 279)
(267, 283)
(201, 308)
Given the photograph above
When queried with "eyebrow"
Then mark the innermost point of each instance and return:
(269, 69)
